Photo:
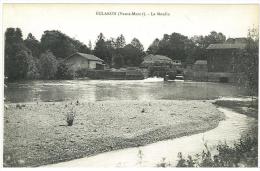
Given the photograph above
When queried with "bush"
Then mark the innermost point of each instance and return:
(70, 117)
(64, 73)
(244, 153)
(82, 72)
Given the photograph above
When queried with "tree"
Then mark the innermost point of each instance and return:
(253, 34)
(84, 49)
(58, 43)
(115, 51)
(205, 41)
(120, 41)
(118, 60)
(202, 42)
(246, 63)
(13, 41)
(33, 44)
(48, 65)
(173, 46)
(79, 46)
(137, 44)
(190, 52)
(110, 50)
(62, 45)
(16, 55)
(101, 49)
(18, 34)
(18, 66)
(251, 57)
(33, 70)
(154, 47)
(132, 55)
(111, 43)
(214, 37)
(90, 45)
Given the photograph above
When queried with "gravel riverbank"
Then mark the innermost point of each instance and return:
(36, 134)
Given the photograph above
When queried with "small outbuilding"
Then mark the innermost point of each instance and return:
(78, 61)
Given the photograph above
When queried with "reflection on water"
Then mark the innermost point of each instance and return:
(95, 90)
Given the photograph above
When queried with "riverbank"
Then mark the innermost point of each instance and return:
(247, 107)
(36, 134)
(241, 153)
(166, 153)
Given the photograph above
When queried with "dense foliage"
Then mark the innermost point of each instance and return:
(180, 47)
(61, 45)
(63, 72)
(247, 63)
(33, 44)
(117, 53)
(251, 55)
(49, 65)
(33, 59)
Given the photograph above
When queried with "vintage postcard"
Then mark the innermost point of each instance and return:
(130, 85)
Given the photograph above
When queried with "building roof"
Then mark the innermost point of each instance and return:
(236, 40)
(157, 58)
(200, 62)
(87, 56)
(227, 46)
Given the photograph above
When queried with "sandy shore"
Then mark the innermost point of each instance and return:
(36, 134)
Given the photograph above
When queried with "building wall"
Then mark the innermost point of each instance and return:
(221, 67)
(220, 60)
(92, 64)
(200, 67)
(77, 62)
(195, 75)
(96, 65)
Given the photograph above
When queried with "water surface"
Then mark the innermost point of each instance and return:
(96, 90)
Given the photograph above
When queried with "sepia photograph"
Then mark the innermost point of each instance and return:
(130, 85)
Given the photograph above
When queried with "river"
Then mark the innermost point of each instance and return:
(96, 90)
(149, 89)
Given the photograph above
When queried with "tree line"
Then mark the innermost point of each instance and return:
(33, 59)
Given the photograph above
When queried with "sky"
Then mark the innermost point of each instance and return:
(81, 21)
